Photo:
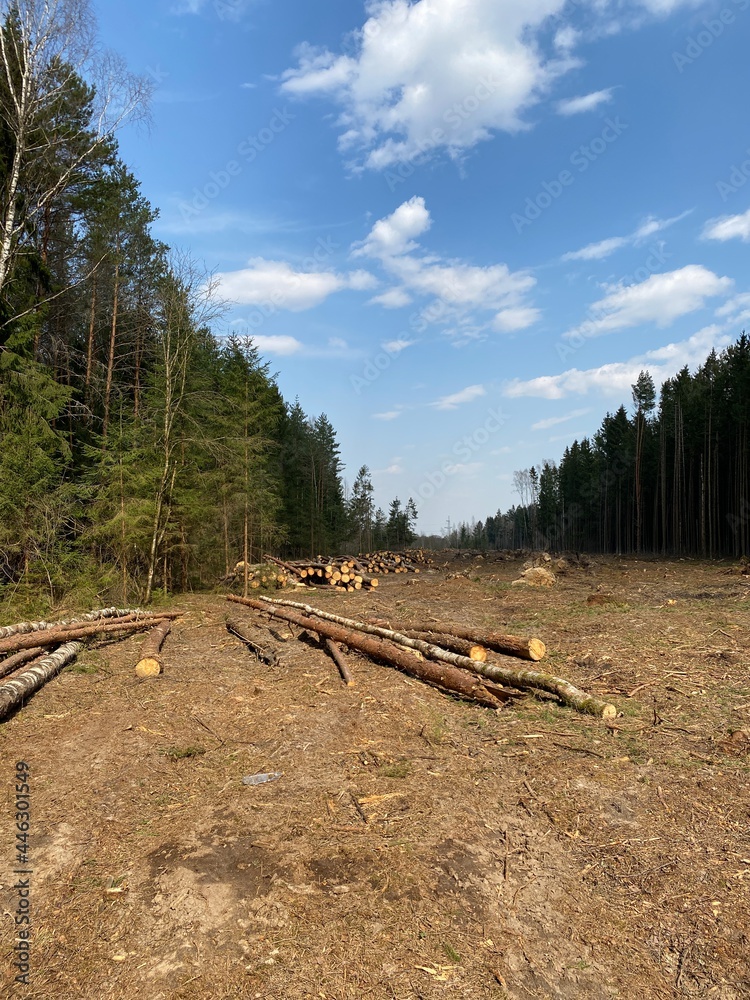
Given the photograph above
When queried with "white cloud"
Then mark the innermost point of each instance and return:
(463, 468)
(728, 227)
(617, 377)
(659, 300)
(510, 320)
(393, 298)
(394, 235)
(277, 345)
(588, 102)
(446, 75)
(737, 309)
(456, 287)
(456, 399)
(543, 425)
(466, 69)
(275, 285)
(388, 415)
(603, 248)
(338, 343)
(397, 346)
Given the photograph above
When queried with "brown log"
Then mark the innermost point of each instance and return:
(512, 676)
(463, 646)
(338, 658)
(14, 692)
(265, 653)
(448, 678)
(54, 636)
(22, 628)
(12, 663)
(150, 663)
(508, 645)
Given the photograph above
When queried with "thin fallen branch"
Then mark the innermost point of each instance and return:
(14, 692)
(338, 658)
(439, 675)
(517, 677)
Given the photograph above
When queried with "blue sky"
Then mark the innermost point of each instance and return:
(458, 227)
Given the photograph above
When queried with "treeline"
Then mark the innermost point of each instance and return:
(138, 451)
(671, 478)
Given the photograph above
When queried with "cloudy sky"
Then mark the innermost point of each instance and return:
(458, 227)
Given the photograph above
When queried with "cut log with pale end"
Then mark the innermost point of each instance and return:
(511, 675)
(440, 675)
(12, 663)
(150, 663)
(265, 653)
(338, 658)
(463, 646)
(508, 645)
(14, 692)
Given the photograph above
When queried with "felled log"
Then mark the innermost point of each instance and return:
(463, 646)
(14, 692)
(150, 663)
(338, 658)
(265, 653)
(22, 628)
(66, 633)
(512, 676)
(439, 675)
(12, 663)
(508, 645)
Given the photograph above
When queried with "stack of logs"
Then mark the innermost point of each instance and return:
(451, 657)
(32, 653)
(394, 562)
(343, 572)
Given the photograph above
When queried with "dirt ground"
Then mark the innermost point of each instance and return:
(415, 846)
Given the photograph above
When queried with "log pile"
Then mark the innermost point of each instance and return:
(395, 562)
(32, 653)
(486, 682)
(342, 572)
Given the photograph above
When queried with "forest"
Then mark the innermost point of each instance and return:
(140, 451)
(671, 479)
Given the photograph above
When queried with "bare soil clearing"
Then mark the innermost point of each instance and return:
(415, 846)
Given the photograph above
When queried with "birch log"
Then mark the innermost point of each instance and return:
(72, 631)
(14, 692)
(21, 628)
(513, 676)
(440, 675)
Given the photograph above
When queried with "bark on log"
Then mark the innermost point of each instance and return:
(265, 653)
(338, 658)
(14, 692)
(12, 663)
(150, 663)
(463, 646)
(22, 628)
(512, 676)
(70, 632)
(447, 678)
(508, 645)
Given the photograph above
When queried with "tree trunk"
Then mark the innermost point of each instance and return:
(63, 634)
(12, 663)
(111, 354)
(452, 642)
(23, 627)
(515, 677)
(150, 663)
(13, 693)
